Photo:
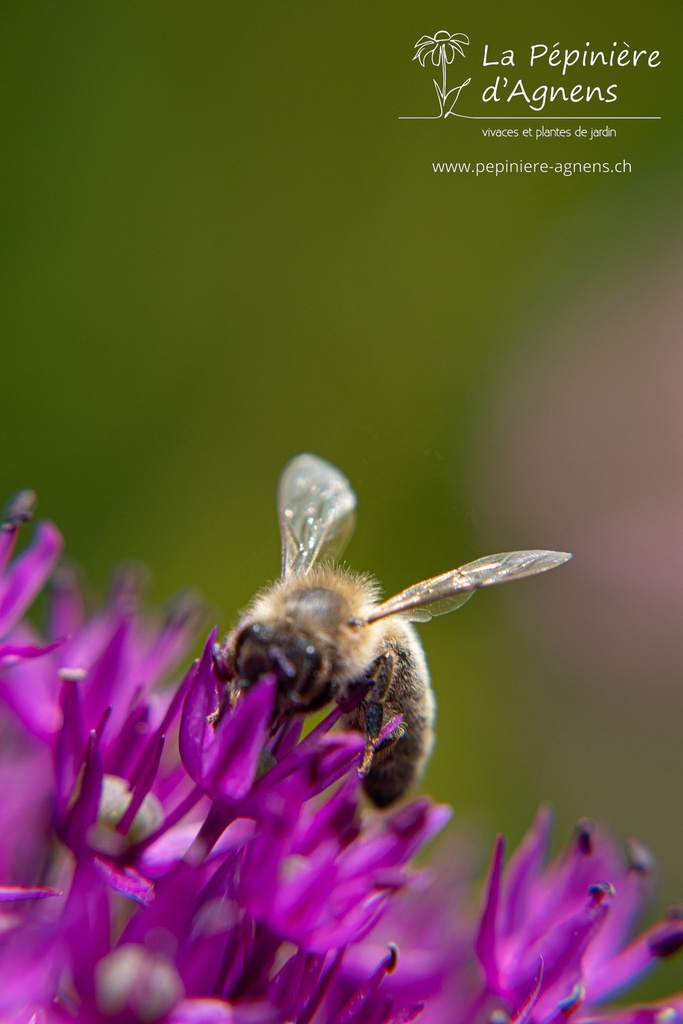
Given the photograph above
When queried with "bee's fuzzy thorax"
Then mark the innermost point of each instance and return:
(331, 623)
(361, 590)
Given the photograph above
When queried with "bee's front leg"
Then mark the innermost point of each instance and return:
(225, 675)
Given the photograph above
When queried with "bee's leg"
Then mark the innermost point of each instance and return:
(224, 703)
(373, 706)
(223, 673)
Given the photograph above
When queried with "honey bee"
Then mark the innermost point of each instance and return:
(324, 633)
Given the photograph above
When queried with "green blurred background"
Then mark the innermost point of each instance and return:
(222, 247)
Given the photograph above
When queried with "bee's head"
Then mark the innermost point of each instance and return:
(301, 630)
(262, 648)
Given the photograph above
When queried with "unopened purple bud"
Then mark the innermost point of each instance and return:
(19, 509)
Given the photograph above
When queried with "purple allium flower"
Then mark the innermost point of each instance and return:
(157, 867)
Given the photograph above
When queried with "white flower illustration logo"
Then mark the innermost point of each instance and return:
(441, 49)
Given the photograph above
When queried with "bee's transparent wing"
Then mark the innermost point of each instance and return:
(445, 593)
(316, 508)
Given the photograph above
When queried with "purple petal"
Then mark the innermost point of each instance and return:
(216, 1011)
(628, 966)
(104, 675)
(326, 978)
(202, 1011)
(667, 938)
(168, 849)
(663, 1013)
(30, 687)
(335, 757)
(592, 856)
(486, 940)
(286, 737)
(350, 1013)
(69, 745)
(562, 950)
(295, 983)
(86, 923)
(416, 823)
(172, 909)
(19, 510)
(178, 633)
(27, 574)
(396, 837)
(83, 814)
(86, 645)
(259, 881)
(408, 1014)
(338, 816)
(232, 758)
(635, 888)
(300, 760)
(13, 893)
(141, 781)
(175, 704)
(522, 1014)
(126, 881)
(303, 751)
(172, 818)
(65, 610)
(129, 754)
(523, 870)
(10, 652)
(124, 749)
(29, 971)
(201, 701)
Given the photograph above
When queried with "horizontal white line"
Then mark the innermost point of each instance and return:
(531, 117)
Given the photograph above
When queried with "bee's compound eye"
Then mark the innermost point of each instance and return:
(258, 632)
(253, 653)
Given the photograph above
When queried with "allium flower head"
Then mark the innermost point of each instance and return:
(155, 866)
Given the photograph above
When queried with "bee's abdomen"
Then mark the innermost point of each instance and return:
(397, 767)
